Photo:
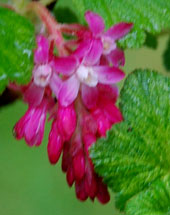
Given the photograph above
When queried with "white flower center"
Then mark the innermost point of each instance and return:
(87, 75)
(42, 75)
(108, 45)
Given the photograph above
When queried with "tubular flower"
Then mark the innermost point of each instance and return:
(31, 125)
(77, 88)
(44, 74)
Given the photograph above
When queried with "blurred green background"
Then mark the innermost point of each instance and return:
(29, 185)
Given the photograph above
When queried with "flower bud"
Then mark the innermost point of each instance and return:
(79, 165)
(90, 183)
(80, 190)
(70, 176)
(55, 144)
(102, 193)
(66, 117)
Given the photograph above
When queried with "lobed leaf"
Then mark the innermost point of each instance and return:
(134, 159)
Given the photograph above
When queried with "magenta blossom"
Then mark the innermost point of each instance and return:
(87, 74)
(43, 74)
(108, 38)
(89, 70)
(77, 88)
(31, 125)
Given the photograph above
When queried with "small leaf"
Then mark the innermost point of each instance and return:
(135, 157)
(16, 48)
(150, 16)
(166, 56)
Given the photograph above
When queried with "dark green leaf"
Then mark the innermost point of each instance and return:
(166, 56)
(16, 47)
(150, 16)
(136, 152)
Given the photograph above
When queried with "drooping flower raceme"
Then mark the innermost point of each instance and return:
(78, 91)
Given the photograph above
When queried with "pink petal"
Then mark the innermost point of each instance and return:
(95, 22)
(104, 61)
(108, 92)
(42, 50)
(89, 96)
(34, 95)
(94, 53)
(119, 30)
(34, 128)
(108, 75)
(82, 49)
(55, 84)
(33, 125)
(69, 91)
(19, 127)
(64, 65)
(113, 113)
(117, 57)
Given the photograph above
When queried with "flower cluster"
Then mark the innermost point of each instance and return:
(76, 86)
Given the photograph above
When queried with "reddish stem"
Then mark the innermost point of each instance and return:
(72, 29)
(51, 25)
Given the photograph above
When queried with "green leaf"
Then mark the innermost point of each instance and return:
(16, 48)
(166, 56)
(150, 16)
(135, 156)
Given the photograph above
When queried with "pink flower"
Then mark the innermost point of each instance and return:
(82, 79)
(108, 38)
(87, 73)
(43, 74)
(31, 125)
